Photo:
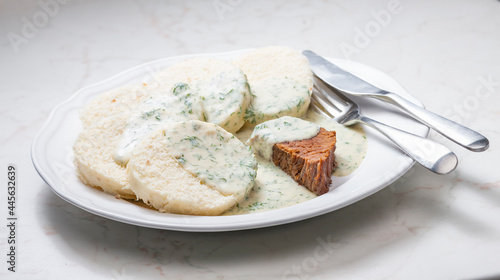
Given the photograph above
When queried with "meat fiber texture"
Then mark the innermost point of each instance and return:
(309, 162)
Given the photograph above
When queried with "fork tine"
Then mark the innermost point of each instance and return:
(337, 99)
(324, 105)
(335, 103)
(316, 106)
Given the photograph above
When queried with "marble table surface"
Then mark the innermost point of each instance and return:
(423, 226)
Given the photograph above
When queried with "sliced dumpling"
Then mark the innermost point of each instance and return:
(93, 156)
(159, 107)
(114, 102)
(280, 81)
(221, 85)
(192, 168)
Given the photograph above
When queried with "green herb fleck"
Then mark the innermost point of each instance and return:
(179, 87)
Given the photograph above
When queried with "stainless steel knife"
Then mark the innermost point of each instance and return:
(351, 84)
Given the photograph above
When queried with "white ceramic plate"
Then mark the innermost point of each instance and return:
(53, 159)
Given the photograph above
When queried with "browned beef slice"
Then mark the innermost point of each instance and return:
(309, 162)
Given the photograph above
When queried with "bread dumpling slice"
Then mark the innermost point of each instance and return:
(193, 168)
(105, 144)
(158, 107)
(221, 86)
(114, 102)
(94, 162)
(280, 80)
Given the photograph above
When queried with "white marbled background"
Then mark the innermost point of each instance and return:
(423, 226)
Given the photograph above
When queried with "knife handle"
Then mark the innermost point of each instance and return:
(457, 133)
(431, 155)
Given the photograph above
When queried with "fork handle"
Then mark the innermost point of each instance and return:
(432, 155)
(458, 133)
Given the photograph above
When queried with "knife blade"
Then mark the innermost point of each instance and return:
(348, 83)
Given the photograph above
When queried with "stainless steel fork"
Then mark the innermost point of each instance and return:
(432, 155)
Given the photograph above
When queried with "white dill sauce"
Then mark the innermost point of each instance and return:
(277, 97)
(214, 155)
(351, 143)
(158, 108)
(284, 129)
(275, 189)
